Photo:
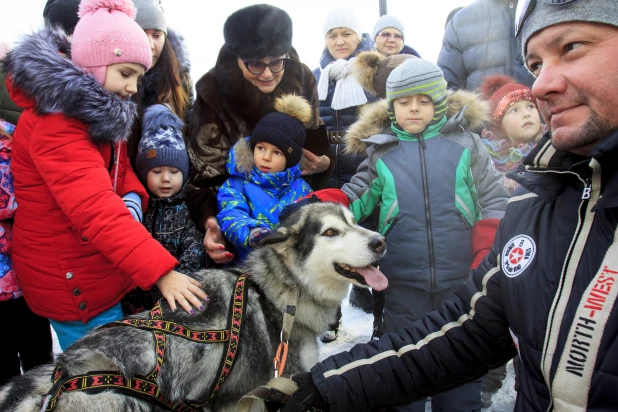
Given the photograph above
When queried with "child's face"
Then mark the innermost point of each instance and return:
(164, 181)
(268, 158)
(413, 113)
(157, 41)
(521, 122)
(122, 78)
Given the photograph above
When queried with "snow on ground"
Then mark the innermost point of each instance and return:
(356, 327)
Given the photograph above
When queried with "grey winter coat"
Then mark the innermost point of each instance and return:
(436, 192)
(479, 42)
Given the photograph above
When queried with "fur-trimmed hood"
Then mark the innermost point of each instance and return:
(41, 75)
(241, 163)
(466, 110)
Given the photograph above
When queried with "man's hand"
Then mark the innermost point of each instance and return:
(177, 287)
(312, 164)
(214, 243)
(306, 397)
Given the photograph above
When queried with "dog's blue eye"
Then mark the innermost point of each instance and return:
(330, 233)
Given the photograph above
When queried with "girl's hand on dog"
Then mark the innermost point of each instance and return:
(177, 287)
(214, 242)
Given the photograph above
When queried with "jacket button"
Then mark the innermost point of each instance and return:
(84, 238)
(77, 292)
(69, 275)
(83, 306)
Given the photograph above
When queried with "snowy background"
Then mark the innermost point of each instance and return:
(356, 327)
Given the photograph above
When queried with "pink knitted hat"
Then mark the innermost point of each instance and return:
(106, 34)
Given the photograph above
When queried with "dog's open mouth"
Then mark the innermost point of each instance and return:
(368, 275)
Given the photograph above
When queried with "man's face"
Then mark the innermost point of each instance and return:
(577, 82)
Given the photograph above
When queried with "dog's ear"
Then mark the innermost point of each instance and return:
(276, 236)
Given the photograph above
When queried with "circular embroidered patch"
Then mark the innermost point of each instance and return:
(517, 255)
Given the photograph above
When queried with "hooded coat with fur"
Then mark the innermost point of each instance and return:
(250, 199)
(437, 191)
(77, 249)
(150, 88)
(227, 108)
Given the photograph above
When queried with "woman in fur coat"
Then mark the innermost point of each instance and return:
(256, 65)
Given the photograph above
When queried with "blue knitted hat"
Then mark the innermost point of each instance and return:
(162, 143)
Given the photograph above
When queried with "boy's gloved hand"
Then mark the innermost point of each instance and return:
(257, 234)
(307, 397)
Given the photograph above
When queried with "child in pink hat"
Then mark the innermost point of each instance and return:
(72, 174)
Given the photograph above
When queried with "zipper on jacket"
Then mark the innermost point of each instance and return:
(337, 171)
(432, 268)
(392, 220)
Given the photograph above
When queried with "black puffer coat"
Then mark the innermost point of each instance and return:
(546, 290)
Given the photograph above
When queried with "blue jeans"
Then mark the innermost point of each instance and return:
(69, 332)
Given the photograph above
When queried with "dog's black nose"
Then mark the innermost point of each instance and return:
(378, 244)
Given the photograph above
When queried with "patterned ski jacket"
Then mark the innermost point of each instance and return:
(250, 199)
(169, 222)
(10, 287)
(547, 289)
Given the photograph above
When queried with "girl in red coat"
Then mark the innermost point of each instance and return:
(77, 248)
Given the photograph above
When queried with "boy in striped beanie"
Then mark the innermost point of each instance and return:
(416, 96)
(438, 197)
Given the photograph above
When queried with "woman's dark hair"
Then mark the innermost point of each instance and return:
(171, 86)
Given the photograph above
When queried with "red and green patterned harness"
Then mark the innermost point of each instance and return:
(145, 387)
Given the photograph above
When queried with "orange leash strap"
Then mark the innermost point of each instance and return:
(280, 359)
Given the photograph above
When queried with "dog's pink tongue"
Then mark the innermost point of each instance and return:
(373, 277)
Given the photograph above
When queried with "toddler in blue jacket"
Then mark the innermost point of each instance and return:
(264, 174)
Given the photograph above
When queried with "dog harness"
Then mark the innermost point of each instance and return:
(145, 387)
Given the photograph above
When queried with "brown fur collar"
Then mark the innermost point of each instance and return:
(373, 118)
(249, 102)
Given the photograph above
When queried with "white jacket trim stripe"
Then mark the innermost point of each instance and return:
(522, 197)
(574, 373)
(565, 287)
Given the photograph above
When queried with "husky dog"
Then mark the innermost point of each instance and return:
(318, 249)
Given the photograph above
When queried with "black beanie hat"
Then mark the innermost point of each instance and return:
(284, 128)
(258, 31)
(283, 131)
(61, 13)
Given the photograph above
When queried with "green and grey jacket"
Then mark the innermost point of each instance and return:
(433, 189)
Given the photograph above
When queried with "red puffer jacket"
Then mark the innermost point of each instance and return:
(76, 249)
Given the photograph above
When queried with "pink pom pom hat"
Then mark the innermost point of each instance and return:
(107, 34)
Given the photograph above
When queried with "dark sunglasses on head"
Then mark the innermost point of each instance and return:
(257, 67)
(525, 9)
(389, 35)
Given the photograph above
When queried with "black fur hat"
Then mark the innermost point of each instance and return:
(258, 31)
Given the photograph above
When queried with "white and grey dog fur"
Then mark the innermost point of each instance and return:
(318, 248)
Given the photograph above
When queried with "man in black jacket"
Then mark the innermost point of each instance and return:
(547, 288)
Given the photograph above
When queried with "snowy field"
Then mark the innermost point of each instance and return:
(356, 328)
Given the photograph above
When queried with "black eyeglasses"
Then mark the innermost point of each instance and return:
(257, 67)
(389, 35)
(525, 9)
